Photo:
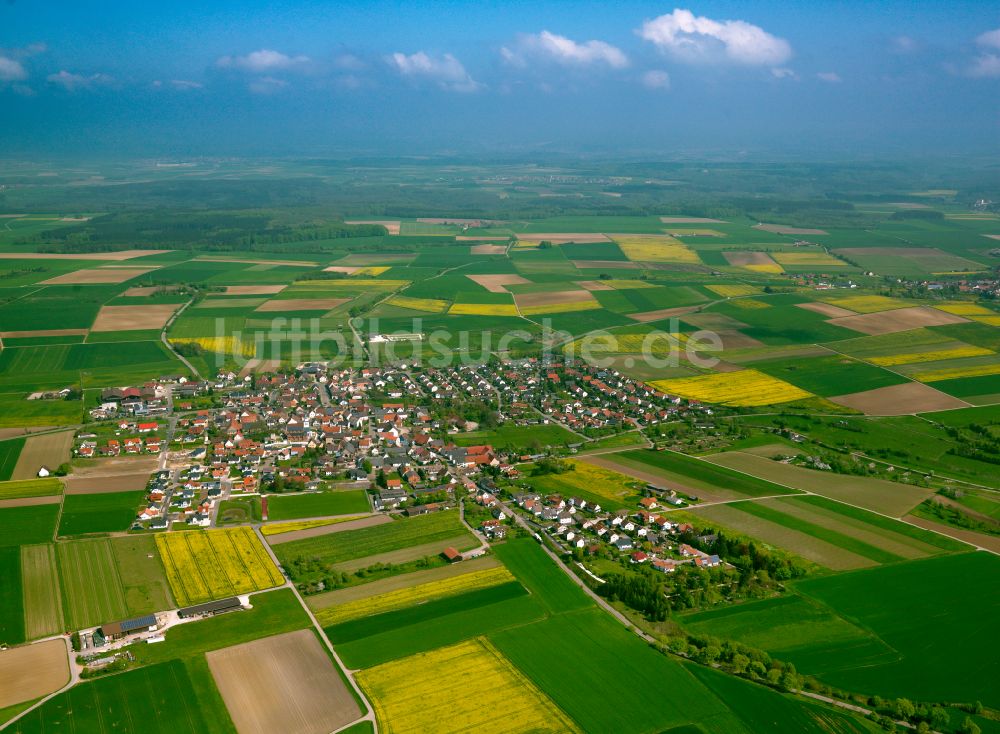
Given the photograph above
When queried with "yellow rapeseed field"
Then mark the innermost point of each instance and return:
(953, 373)
(413, 595)
(483, 309)
(771, 268)
(965, 309)
(818, 259)
(743, 388)
(866, 304)
(656, 249)
(372, 270)
(728, 291)
(419, 304)
(213, 564)
(749, 304)
(221, 344)
(277, 528)
(587, 305)
(991, 320)
(935, 356)
(466, 687)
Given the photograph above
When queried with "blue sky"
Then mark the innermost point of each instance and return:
(309, 77)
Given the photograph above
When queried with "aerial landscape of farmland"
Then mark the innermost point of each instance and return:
(499, 386)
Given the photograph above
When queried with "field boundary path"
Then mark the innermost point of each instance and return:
(168, 345)
(348, 673)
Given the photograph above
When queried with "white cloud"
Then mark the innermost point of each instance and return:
(11, 70)
(905, 44)
(697, 39)
(267, 85)
(446, 71)
(72, 82)
(348, 61)
(985, 66)
(182, 85)
(781, 72)
(829, 76)
(562, 50)
(264, 60)
(990, 38)
(656, 79)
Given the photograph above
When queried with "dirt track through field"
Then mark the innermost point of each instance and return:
(285, 683)
(989, 542)
(32, 671)
(337, 527)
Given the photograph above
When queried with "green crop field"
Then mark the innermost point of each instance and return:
(91, 584)
(760, 709)
(698, 474)
(539, 574)
(611, 661)
(340, 502)
(30, 488)
(519, 437)
(785, 625)
(415, 616)
(43, 610)
(393, 644)
(351, 544)
(11, 603)
(15, 411)
(98, 513)
(893, 603)
(9, 451)
(24, 525)
(157, 699)
(827, 376)
(141, 572)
